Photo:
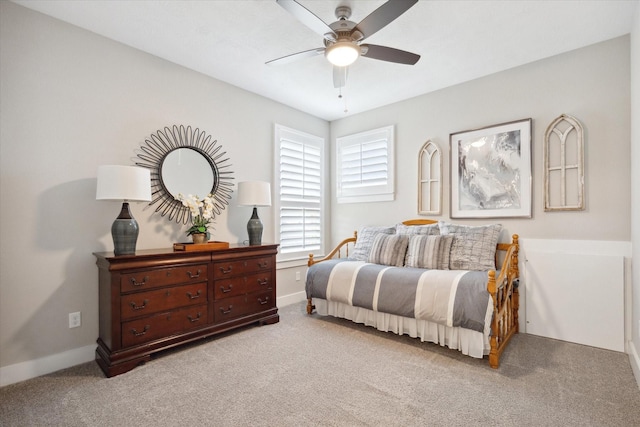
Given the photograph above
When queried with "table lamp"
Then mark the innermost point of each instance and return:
(126, 183)
(254, 193)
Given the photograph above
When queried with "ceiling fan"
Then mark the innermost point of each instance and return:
(343, 38)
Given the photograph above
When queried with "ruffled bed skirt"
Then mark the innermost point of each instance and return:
(468, 342)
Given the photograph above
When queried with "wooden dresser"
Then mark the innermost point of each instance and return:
(157, 299)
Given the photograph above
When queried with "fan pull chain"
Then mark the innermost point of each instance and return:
(346, 110)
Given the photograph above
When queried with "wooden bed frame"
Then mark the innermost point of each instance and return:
(503, 289)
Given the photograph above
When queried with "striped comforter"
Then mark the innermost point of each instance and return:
(448, 297)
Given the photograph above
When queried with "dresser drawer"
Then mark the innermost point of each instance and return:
(150, 279)
(223, 269)
(231, 287)
(260, 301)
(143, 303)
(162, 325)
(230, 308)
(259, 282)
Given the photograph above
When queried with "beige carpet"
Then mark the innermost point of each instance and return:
(308, 371)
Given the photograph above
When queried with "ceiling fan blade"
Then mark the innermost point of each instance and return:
(382, 16)
(308, 18)
(389, 54)
(340, 76)
(296, 56)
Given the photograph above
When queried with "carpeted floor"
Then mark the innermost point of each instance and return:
(316, 371)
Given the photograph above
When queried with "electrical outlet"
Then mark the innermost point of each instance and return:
(297, 276)
(74, 319)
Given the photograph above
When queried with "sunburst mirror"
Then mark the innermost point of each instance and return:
(185, 161)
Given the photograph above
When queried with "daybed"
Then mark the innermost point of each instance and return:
(424, 278)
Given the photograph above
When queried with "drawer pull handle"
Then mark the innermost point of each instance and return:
(139, 307)
(193, 320)
(194, 276)
(227, 271)
(263, 302)
(226, 290)
(263, 282)
(263, 264)
(227, 311)
(139, 334)
(197, 295)
(136, 283)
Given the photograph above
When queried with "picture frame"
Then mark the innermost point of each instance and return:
(491, 171)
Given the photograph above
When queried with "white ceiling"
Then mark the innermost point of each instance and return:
(458, 41)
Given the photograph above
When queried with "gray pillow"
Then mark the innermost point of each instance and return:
(389, 249)
(429, 229)
(365, 240)
(474, 247)
(430, 252)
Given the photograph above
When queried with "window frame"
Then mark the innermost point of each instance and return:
(283, 132)
(366, 193)
(430, 179)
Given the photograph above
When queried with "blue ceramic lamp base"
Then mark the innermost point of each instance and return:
(125, 232)
(254, 229)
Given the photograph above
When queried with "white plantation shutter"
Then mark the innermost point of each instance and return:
(365, 166)
(299, 180)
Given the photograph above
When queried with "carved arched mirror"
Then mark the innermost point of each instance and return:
(185, 161)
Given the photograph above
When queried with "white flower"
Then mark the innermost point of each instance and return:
(201, 210)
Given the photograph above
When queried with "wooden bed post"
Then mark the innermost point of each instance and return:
(515, 273)
(505, 304)
(494, 355)
(310, 306)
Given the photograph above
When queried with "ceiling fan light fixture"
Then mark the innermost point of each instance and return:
(342, 54)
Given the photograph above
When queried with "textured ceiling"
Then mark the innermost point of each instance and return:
(458, 41)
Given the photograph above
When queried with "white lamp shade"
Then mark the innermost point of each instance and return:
(254, 193)
(123, 183)
(342, 54)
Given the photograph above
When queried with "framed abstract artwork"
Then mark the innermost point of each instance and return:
(491, 171)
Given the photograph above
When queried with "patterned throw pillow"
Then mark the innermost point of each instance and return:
(474, 248)
(389, 249)
(429, 229)
(365, 240)
(430, 252)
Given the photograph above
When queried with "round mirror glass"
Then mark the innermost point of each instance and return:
(185, 171)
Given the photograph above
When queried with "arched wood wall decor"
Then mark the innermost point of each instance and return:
(564, 165)
(180, 141)
(430, 180)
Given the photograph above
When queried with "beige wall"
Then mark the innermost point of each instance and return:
(72, 100)
(591, 84)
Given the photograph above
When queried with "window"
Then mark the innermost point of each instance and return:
(364, 163)
(299, 181)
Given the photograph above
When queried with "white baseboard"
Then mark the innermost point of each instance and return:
(634, 359)
(34, 368)
(294, 298)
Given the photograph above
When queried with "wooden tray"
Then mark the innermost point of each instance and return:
(209, 246)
